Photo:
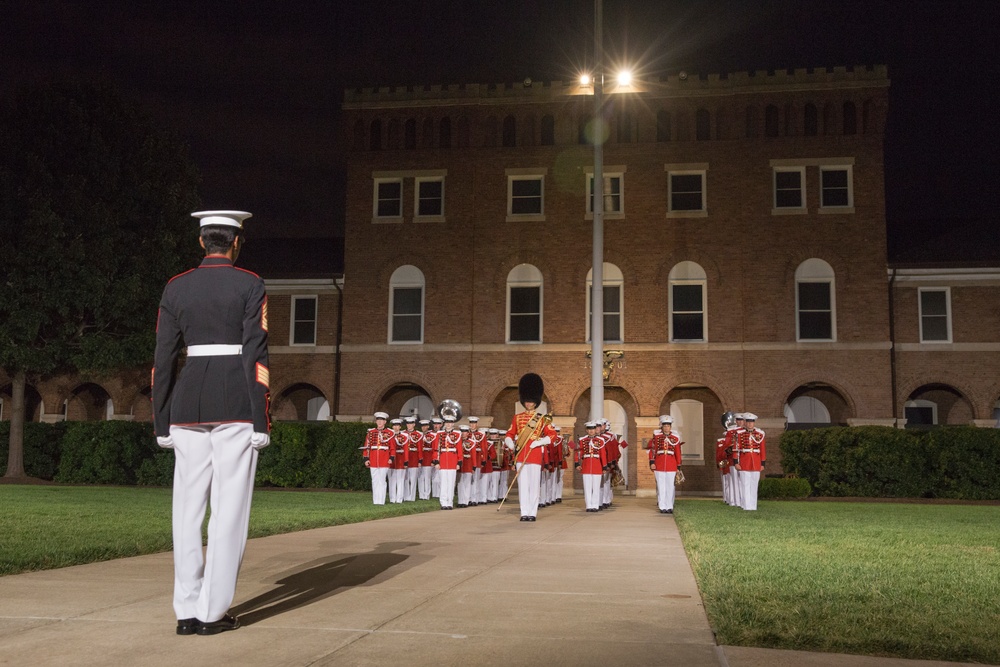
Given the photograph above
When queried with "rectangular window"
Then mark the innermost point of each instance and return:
(789, 188)
(836, 189)
(525, 314)
(429, 197)
(687, 312)
(612, 313)
(613, 201)
(407, 314)
(686, 192)
(815, 311)
(389, 198)
(935, 315)
(525, 195)
(303, 320)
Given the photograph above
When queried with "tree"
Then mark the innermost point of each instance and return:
(95, 206)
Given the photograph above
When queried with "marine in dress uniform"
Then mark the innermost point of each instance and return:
(665, 461)
(614, 453)
(751, 461)
(412, 458)
(478, 438)
(214, 415)
(591, 459)
(732, 443)
(447, 461)
(397, 469)
(493, 484)
(427, 438)
(437, 424)
(468, 465)
(539, 433)
(378, 456)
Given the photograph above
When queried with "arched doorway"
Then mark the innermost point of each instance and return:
(936, 404)
(89, 402)
(32, 403)
(815, 405)
(401, 398)
(301, 402)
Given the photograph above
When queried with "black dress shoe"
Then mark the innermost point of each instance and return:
(524, 518)
(531, 518)
(558, 500)
(224, 624)
(670, 511)
(187, 626)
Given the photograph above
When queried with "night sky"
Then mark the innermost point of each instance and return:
(254, 87)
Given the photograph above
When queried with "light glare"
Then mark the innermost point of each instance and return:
(624, 78)
(584, 79)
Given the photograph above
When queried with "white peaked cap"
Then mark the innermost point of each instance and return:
(666, 419)
(381, 415)
(223, 218)
(749, 416)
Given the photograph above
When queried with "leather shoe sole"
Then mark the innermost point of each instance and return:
(224, 624)
(187, 626)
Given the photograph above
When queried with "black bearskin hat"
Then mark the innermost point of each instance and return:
(530, 389)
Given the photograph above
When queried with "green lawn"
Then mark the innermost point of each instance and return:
(905, 580)
(45, 527)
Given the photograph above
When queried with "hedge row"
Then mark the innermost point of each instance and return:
(783, 487)
(881, 461)
(313, 455)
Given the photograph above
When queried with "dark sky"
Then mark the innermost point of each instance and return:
(254, 86)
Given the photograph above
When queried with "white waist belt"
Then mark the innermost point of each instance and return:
(747, 451)
(214, 350)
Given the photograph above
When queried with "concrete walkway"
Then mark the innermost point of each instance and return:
(466, 587)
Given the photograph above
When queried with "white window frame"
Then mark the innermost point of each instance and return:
(923, 403)
(293, 323)
(610, 173)
(920, 311)
(407, 282)
(704, 310)
(525, 175)
(616, 281)
(849, 208)
(788, 210)
(687, 170)
(417, 182)
(536, 282)
(375, 200)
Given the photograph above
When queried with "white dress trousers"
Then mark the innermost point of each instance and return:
(380, 484)
(446, 482)
(665, 489)
(412, 475)
(528, 481)
(749, 482)
(424, 482)
(591, 491)
(215, 467)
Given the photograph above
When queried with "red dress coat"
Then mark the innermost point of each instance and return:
(528, 454)
(752, 450)
(592, 455)
(377, 447)
(665, 452)
(447, 449)
(413, 448)
(470, 455)
(427, 447)
(399, 455)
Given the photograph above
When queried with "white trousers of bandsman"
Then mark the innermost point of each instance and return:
(435, 482)
(606, 493)
(528, 485)
(665, 489)
(380, 484)
(424, 482)
(559, 483)
(446, 487)
(412, 475)
(504, 483)
(748, 484)
(591, 491)
(736, 486)
(397, 485)
(493, 489)
(464, 488)
(728, 481)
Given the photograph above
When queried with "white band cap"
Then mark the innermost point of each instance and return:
(223, 218)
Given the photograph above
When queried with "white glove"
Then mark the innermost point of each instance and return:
(541, 442)
(509, 442)
(260, 440)
(165, 441)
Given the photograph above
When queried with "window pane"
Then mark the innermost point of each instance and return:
(687, 298)
(934, 328)
(612, 327)
(815, 326)
(788, 199)
(933, 303)
(304, 333)
(526, 188)
(430, 198)
(784, 180)
(688, 326)
(612, 299)
(525, 300)
(686, 182)
(834, 178)
(389, 208)
(814, 296)
(305, 309)
(919, 416)
(524, 327)
(406, 301)
(834, 184)
(405, 328)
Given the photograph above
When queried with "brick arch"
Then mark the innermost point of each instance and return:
(397, 259)
(516, 257)
(630, 389)
(389, 379)
(942, 378)
(281, 400)
(86, 402)
(845, 389)
(707, 380)
(837, 261)
(704, 260)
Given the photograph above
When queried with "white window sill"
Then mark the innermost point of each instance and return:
(406, 342)
(528, 217)
(835, 210)
(387, 221)
(687, 214)
(789, 211)
(429, 218)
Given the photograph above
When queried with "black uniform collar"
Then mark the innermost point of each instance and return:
(216, 260)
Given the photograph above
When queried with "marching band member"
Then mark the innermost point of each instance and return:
(478, 438)
(426, 458)
(565, 448)
(416, 439)
(378, 457)
(665, 461)
(530, 431)
(613, 453)
(447, 461)
(397, 469)
(468, 464)
(751, 461)
(487, 455)
(505, 463)
(436, 425)
(591, 460)
(732, 444)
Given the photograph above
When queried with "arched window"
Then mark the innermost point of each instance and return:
(703, 125)
(663, 125)
(406, 305)
(815, 302)
(444, 133)
(811, 116)
(524, 304)
(751, 121)
(410, 134)
(806, 410)
(375, 135)
(509, 132)
(850, 118)
(771, 121)
(548, 130)
(613, 303)
(687, 303)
